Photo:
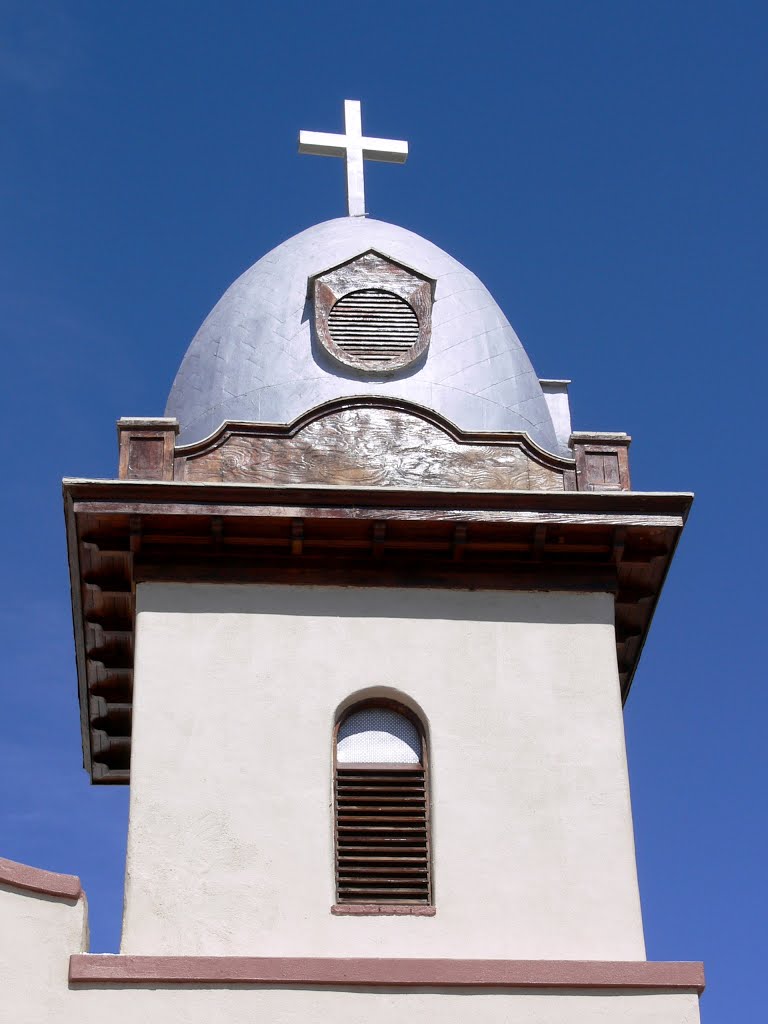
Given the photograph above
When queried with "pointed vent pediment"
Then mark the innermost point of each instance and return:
(372, 313)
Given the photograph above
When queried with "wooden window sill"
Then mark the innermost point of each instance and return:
(382, 909)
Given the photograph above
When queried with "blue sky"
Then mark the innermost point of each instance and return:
(601, 166)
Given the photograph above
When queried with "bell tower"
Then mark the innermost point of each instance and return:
(356, 621)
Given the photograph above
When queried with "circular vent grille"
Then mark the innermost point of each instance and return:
(372, 326)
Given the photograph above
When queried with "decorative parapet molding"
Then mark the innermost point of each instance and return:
(146, 447)
(381, 442)
(602, 461)
(370, 441)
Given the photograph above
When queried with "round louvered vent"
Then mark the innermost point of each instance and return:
(373, 327)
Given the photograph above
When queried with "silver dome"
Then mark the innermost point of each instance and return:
(254, 357)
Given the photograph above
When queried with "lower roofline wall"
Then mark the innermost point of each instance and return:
(45, 974)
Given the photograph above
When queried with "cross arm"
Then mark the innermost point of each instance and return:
(322, 143)
(389, 151)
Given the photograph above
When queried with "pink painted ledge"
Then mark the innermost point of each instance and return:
(47, 883)
(106, 969)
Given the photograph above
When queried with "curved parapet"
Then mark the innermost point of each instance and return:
(46, 883)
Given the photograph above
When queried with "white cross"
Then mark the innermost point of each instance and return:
(354, 147)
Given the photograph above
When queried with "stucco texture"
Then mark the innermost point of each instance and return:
(230, 847)
(39, 933)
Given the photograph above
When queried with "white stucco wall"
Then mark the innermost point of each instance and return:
(312, 1006)
(38, 934)
(230, 847)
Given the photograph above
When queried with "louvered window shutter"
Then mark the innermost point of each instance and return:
(373, 326)
(382, 809)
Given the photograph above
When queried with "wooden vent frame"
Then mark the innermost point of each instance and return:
(371, 273)
(382, 830)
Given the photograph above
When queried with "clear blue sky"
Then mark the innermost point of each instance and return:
(601, 166)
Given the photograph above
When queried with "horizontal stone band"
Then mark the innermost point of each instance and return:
(405, 973)
(46, 883)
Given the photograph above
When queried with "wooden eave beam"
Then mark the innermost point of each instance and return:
(182, 498)
(75, 583)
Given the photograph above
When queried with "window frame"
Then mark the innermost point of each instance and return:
(400, 906)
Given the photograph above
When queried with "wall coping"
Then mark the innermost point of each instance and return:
(47, 883)
(118, 969)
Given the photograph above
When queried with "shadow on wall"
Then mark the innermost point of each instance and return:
(367, 603)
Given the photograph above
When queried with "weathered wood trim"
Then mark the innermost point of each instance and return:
(376, 446)
(354, 972)
(602, 461)
(500, 439)
(650, 603)
(376, 252)
(146, 448)
(403, 515)
(157, 493)
(366, 271)
(78, 625)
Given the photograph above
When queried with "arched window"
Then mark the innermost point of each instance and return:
(381, 807)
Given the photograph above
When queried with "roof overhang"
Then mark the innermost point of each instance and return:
(124, 532)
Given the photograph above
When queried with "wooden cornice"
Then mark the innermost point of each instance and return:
(181, 495)
(381, 442)
(385, 404)
(121, 532)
